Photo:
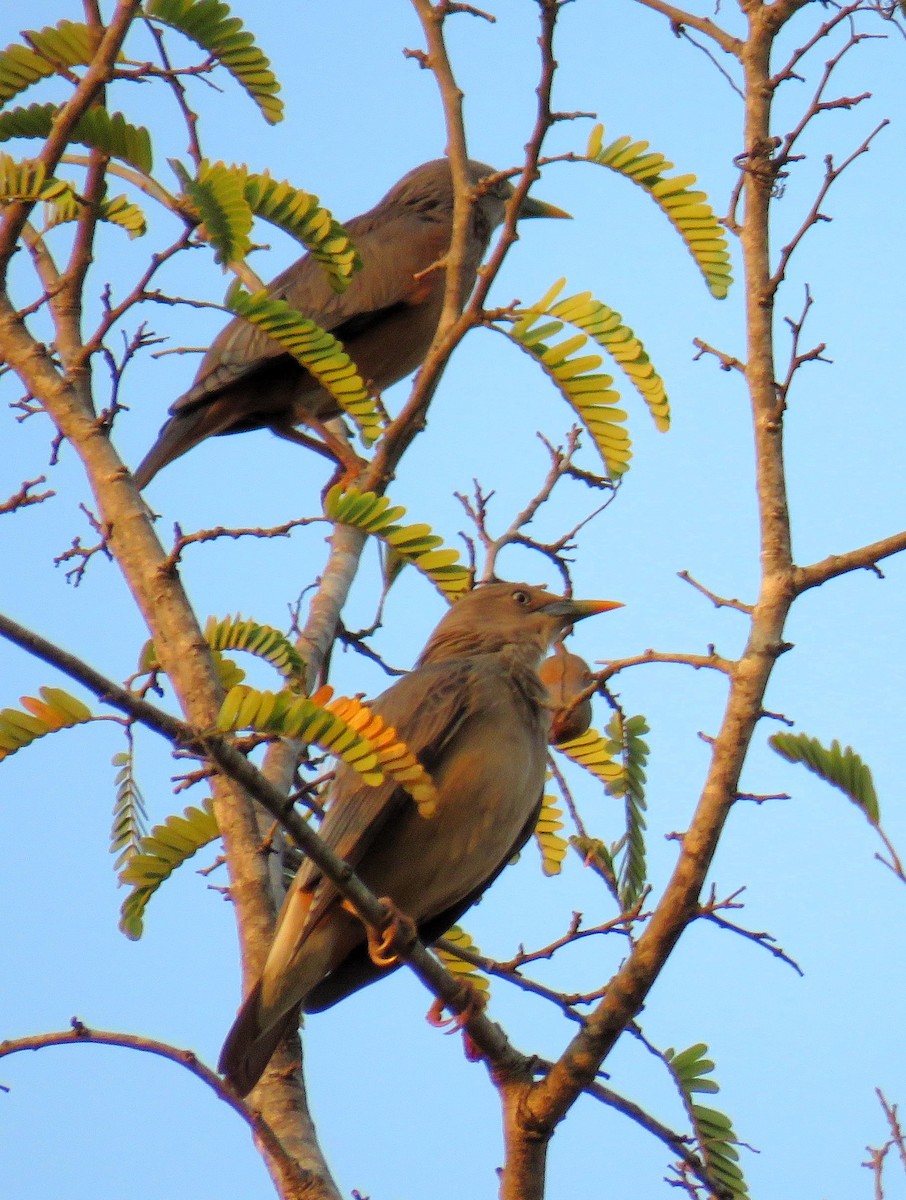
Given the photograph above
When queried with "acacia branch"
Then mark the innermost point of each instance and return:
(295, 1180)
(865, 558)
(218, 749)
(679, 17)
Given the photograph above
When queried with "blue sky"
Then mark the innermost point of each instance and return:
(401, 1113)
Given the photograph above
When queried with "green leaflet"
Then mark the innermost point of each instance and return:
(300, 215)
(67, 44)
(688, 211)
(98, 130)
(551, 845)
(119, 210)
(625, 742)
(318, 351)
(592, 752)
(241, 633)
(344, 727)
(838, 766)
(217, 196)
(416, 544)
(27, 180)
(576, 375)
(55, 710)
(457, 936)
(130, 820)
(713, 1130)
(157, 856)
(209, 24)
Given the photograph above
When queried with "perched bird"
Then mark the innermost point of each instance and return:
(474, 711)
(565, 675)
(385, 319)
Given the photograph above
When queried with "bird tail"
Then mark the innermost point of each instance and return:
(174, 439)
(249, 1045)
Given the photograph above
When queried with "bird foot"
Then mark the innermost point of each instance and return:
(474, 1002)
(399, 932)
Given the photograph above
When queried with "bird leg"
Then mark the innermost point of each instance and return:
(474, 1002)
(398, 933)
(350, 464)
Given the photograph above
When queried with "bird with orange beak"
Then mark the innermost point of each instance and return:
(476, 713)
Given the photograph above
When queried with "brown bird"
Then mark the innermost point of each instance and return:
(565, 675)
(474, 711)
(386, 318)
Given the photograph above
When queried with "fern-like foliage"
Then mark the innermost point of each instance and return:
(687, 210)
(54, 710)
(626, 743)
(416, 544)
(344, 727)
(67, 44)
(595, 754)
(130, 819)
(28, 180)
(118, 210)
(209, 24)
(157, 856)
(713, 1130)
(839, 766)
(225, 199)
(240, 633)
(98, 129)
(577, 376)
(301, 215)
(599, 857)
(551, 845)
(457, 936)
(318, 351)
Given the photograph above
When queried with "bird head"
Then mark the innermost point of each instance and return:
(428, 190)
(494, 616)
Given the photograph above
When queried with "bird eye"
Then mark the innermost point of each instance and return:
(521, 597)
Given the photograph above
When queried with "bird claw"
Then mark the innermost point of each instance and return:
(399, 931)
(475, 1002)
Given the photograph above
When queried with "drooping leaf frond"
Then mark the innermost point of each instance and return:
(457, 936)
(595, 754)
(118, 210)
(97, 129)
(66, 44)
(551, 844)
(578, 380)
(344, 727)
(27, 180)
(688, 211)
(241, 633)
(318, 351)
(606, 328)
(130, 820)
(217, 197)
(209, 24)
(55, 710)
(839, 766)
(599, 856)
(713, 1130)
(413, 543)
(625, 742)
(158, 855)
(301, 215)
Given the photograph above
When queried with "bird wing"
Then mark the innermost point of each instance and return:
(394, 251)
(426, 707)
